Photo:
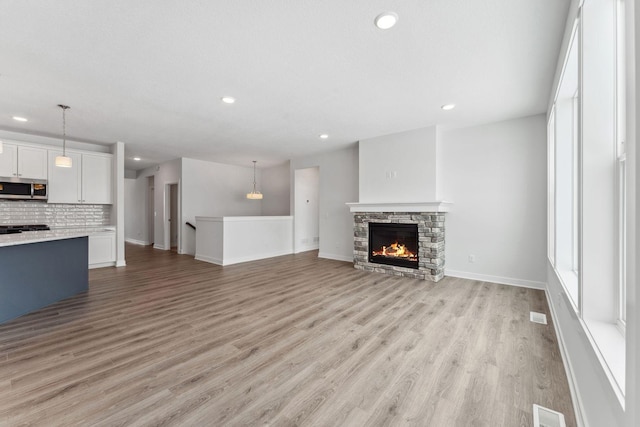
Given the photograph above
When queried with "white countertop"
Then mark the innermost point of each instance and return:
(53, 234)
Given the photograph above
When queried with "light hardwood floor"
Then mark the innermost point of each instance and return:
(294, 340)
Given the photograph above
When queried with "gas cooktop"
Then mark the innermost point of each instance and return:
(12, 229)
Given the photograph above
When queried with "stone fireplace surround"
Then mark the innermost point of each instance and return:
(430, 218)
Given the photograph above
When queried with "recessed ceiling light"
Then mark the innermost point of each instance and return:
(324, 136)
(448, 107)
(228, 99)
(137, 159)
(386, 20)
(19, 119)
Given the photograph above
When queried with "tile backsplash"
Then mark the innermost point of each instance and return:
(53, 214)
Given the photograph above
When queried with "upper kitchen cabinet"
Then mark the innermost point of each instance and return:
(97, 177)
(65, 183)
(17, 161)
(88, 180)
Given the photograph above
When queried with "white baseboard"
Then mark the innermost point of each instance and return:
(122, 263)
(209, 259)
(307, 248)
(496, 279)
(157, 246)
(578, 406)
(137, 242)
(238, 260)
(335, 257)
(101, 265)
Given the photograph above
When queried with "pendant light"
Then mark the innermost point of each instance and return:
(255, 194)
(64, 161)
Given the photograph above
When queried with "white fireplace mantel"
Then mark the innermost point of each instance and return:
(441, 206)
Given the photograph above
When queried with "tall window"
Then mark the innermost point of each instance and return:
(588, 180)
(621, 163)
(565, 175)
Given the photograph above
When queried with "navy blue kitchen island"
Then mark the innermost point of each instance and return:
(36, 272)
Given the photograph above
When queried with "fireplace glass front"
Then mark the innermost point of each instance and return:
(393, 244)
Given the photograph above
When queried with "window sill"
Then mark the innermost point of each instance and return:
(569, 280)
(609, 345)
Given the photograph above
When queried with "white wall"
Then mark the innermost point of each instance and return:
(208, 189)
(495, 175)
(338, 185)
(276, 189)
(306, 209)
(215, 189)
(136, 227)
(135, 211)
(399, 168)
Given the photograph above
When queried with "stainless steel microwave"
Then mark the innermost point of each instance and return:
(23, 189)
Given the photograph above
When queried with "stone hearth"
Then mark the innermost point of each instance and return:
(430, 242)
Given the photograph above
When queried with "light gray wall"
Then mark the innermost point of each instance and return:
(399, 168)
(135, 208)
(338, 186)
(307, 209)
(276, 189)
(207, 189)
(135, 216)
(215, 189)
(495, 175)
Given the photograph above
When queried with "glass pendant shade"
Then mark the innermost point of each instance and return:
(63, 162)
(255, 194)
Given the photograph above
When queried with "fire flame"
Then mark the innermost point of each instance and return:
(395, 250)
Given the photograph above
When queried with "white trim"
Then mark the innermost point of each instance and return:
(496, 279)
(102, 264)
(137, 242)
(307, 248)
(238, 260)
(158, 246)
(229, 261)
(440, 206)
(335, 257)
(578, 406)
(209, 259)
(122, 263)
(606, 336)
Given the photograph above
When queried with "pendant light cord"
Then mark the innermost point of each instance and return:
(254, 176)
(64, 128)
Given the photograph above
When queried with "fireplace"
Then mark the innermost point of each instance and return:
(418, 230)
(393, 244)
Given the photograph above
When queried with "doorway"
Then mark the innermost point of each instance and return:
(151, 211)
(306, 209)
(172, 217)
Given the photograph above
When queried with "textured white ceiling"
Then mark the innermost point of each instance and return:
(151, 73)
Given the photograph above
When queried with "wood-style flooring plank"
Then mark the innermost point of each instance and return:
(289, 341)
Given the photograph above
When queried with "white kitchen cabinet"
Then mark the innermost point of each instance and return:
(88, 180)
(102, 250)
(17, 161)
(64, 183)
(9, 161)
(97, 175)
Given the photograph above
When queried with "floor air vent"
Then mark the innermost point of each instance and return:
(545, 417)
(538, 317)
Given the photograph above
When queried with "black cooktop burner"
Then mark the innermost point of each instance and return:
(13, 229)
